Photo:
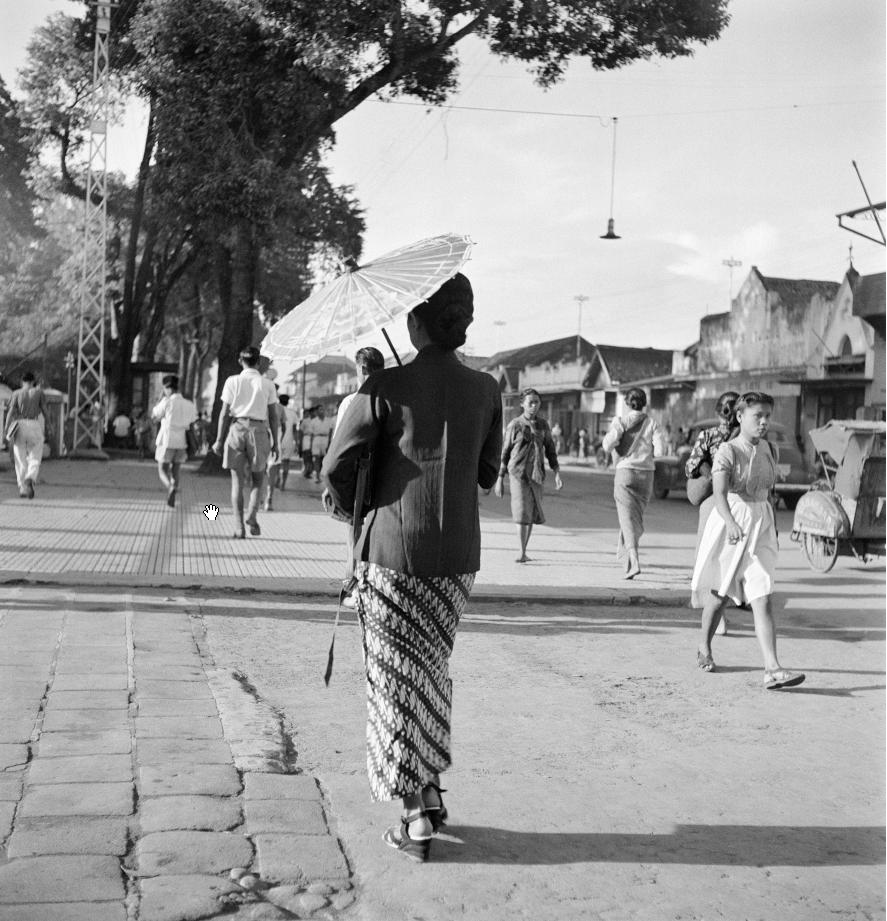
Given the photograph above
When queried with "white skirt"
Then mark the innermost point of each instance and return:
(742, 571)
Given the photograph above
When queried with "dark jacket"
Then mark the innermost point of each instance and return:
(435, 430)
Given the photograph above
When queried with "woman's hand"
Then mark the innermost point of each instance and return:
(558, 482)
(734, 533)
(499, 487)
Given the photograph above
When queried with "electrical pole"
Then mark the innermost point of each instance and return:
(89, 410)
(731, 264)
(580, 300)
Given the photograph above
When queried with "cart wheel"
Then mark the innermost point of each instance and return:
(821, 552)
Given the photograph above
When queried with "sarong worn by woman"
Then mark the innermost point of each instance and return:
(631, 490)
(409, 627)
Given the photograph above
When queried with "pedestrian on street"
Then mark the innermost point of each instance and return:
(175, 414)
(434, 429)
(248, 431)
(737, 555)
(121, 426)
(321, 433)
(272, 467)
(289, 424)
(699, 464)
(635, 438)
(527, 443)
(305, 442)
(25, 421)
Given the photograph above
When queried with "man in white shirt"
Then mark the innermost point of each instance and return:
(175, 415)
(249, 410)
(321, 432)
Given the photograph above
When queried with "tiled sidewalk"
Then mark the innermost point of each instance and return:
(128, 774)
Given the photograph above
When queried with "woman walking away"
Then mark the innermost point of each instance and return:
(737, 555)
(434, 429)
(699, 464)
(635, 439)
(528, 442)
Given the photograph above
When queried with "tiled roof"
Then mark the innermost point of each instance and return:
(551, 352)
(798, 292)
(631, 364)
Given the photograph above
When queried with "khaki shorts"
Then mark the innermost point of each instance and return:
(247, 447)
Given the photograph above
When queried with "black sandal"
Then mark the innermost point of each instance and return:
(438, 814)
(398, 837)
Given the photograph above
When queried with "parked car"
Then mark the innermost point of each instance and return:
(795, 476)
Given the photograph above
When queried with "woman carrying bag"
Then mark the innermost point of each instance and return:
(634, 439)
(434, 428)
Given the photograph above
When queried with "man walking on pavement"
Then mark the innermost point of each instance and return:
(24, 430)
(249, 410)
(175, 415)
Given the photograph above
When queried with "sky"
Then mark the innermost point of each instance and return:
(741, 152)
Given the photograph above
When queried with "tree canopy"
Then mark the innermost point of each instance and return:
(232, 206)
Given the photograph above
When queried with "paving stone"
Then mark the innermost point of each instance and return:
(342, 900)
(114, 657)
(280, 786)
(183, 852)
(14, 705)
(68, 835)
(189, 751)
(100, 667)
(13, 756)
(91, 682)
(178, 690)
(87, 700)
(81, 769)
(178, 727)
(11, 786)
(16, 730)
(7, 811)
(61, 879)
(106, 742)
(85, 720)
(160, 671)
(192, 813)
(64, 911)
(298, 816)
(164, 706)
(36, 659)
(182, 898)
(78, 799)
(184, 778)
(291, 858)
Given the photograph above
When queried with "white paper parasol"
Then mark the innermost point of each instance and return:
(365, 298)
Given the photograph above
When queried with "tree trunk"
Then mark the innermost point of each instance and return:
(130, 312)
(236, 269)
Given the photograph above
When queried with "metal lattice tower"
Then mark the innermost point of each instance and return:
(90, 410)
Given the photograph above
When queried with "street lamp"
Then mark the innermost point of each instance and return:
(580, 300)
(611, 232)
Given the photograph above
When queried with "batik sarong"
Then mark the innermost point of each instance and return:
(409, 627)
(631, 490)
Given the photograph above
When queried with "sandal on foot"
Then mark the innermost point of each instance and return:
(398, 837)
(254, 528)
(705, 661)
(782, 678)
(437, 814)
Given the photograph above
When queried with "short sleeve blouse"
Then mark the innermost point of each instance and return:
(750, 468)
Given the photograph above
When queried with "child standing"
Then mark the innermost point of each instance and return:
(528, 442)
(737, 553)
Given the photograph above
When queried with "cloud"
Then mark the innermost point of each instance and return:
(702, 258)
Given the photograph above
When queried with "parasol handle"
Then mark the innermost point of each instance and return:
(391, 346)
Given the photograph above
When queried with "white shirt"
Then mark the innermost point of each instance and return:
(175, 414)
(346, 402)
(249, 395)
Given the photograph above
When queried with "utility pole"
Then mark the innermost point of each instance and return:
(499, 324)
(731, 264)
(89, 410)
(580, 300)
